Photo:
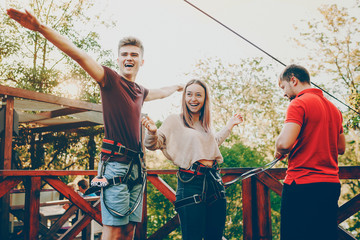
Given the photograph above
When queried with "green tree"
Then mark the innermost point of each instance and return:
(31, 62)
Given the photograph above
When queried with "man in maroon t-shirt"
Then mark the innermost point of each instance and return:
(122, 100)
(312, 136)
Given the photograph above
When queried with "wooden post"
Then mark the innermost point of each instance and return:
(263, 211)
(247, 200)
(256, 210)
(32, 208)
(5, 163)
(8, 133)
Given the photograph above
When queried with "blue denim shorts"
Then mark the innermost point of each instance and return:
(118, 197)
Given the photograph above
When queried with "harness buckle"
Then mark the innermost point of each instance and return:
(122, 150)
(195, 200)
(115, 183)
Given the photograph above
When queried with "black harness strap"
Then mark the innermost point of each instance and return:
(197, 169)
(115, 148)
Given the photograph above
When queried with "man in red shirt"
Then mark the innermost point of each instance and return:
(312, 136)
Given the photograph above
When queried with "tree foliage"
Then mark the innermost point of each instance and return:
(333, 43)
(29, 61)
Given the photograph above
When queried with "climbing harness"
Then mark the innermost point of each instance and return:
(207, 173)
(100, 183)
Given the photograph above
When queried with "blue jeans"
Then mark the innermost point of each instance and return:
(204, 220)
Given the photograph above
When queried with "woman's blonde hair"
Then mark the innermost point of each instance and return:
(205, 118)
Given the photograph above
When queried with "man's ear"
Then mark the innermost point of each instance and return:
(294, 81)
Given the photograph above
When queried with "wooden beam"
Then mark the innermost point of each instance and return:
(163, 187)
(74, 198)
(32, 208)
(61, 112)
(349, 208)
(51, 233)
(7, 184)
(80, 224)
(349, 172)
(229, 177)
(44, 173)
(271, 182)
(56, 113)
(63, 127)
(48, 98)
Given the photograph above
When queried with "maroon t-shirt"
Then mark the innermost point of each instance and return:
(122, 101)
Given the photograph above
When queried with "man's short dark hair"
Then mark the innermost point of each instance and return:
(83, 184)
(297, 71)
(133, 41)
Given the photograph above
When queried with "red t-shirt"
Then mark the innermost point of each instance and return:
(122, 101)
(314, 155)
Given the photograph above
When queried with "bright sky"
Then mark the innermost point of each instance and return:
(176, 35)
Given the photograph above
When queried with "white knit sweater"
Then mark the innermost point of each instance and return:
(184, 146)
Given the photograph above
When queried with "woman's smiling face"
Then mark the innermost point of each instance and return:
(195, 98)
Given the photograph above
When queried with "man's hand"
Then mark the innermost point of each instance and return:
(279, 156)
(26, 19)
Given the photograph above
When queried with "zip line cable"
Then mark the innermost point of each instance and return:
(268, 54)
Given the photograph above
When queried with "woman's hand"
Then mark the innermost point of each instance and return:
(235, 120)
(149, 124)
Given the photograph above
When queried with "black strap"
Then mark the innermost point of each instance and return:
(198, 169)
(195, 199)
(116, 148)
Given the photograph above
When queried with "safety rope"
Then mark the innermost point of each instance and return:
(268, 54)
(254, 171)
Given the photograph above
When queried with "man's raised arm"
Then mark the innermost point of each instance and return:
(163, 92)
(29, 21)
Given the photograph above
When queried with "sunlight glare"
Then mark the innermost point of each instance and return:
(69, 90)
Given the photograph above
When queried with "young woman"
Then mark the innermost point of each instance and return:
(189, 142)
